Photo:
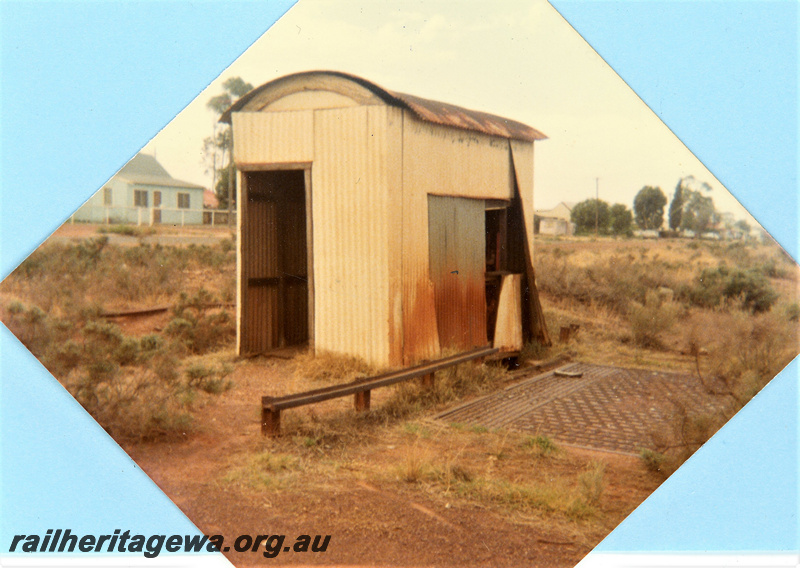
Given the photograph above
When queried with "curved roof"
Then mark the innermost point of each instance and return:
(362, 90)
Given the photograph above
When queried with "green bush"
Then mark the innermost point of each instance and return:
(751, 286)
(542, 444)
(652, 460)
(208, 379)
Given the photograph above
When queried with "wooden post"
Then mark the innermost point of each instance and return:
(428, 381)
(362, 401)
(270, 422)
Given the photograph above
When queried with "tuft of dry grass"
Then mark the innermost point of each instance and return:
(325, 366)
(264, 470)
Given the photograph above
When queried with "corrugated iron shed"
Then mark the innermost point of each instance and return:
(394, 222)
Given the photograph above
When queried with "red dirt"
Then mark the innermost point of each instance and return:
(371, 521)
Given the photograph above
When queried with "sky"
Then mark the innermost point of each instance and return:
(517, 59)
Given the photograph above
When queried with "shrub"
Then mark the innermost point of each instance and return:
(165, 367)
(611, 282)
(651, 459)
(227, 245)
(127, 353)
(61, 358)
(133, 405)
(197, 326)
(745, 351)
(714, 284)
(208, 379)
(591, 482)
(16, 308)
(649, 320)
(127, 230)
(542, 444)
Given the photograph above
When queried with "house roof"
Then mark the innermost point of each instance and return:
(144, 169)
(547, 213)
(210, 199)
(424, 109)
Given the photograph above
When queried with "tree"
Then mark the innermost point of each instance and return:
(698, 212)
(743, 226)
(620, 219)
(218, 148)
(583, 215)
(648, 206)
(676, 207)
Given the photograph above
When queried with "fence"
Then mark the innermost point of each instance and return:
(150, 215)
(213, 217)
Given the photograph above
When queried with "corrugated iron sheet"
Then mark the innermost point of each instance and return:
(425, 109)
(457, 261)
(452, 115)
(353, 307)
(522, 158)
(273, 138)
(508, 329)
(442, 161)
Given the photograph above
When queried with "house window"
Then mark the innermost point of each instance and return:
(107, 196)
(183, 201)
(140, 198)
(156, 199)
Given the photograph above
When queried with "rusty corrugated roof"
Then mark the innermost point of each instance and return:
(425, 109)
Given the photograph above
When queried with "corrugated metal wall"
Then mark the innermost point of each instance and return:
(273, 137)
(356, 257)
(523, 166)
(445, 161)
(457, 240)
(259, 330)
(440, 161)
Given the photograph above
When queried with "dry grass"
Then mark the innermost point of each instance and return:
(726, 312)
(264, 470)
(138, 387)
(331, 367)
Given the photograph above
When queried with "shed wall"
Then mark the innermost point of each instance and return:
(459, 163)
(273, 137)
(443, 161)
(356, 254)
(522, 153)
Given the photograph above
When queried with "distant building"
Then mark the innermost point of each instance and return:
(556, 221)
(143, 193)
(210, 200)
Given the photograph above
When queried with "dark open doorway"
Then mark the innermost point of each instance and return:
(275, 261)
(496, 260)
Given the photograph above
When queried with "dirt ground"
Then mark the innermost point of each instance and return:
(412, 490)
(373, 519)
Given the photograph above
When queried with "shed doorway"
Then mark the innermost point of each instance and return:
(276, 293)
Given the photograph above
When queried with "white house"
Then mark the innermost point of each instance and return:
(143, 193)
(556, 221)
